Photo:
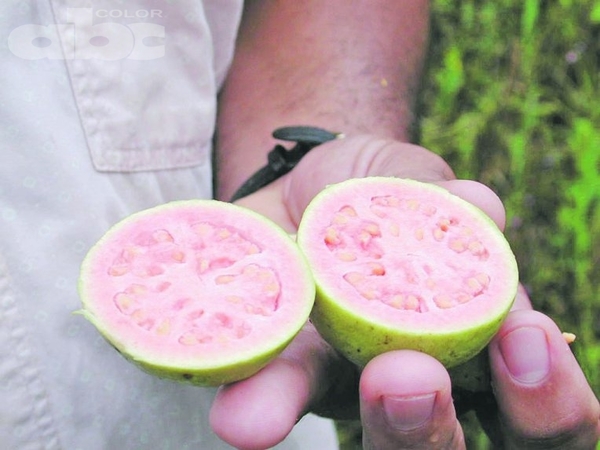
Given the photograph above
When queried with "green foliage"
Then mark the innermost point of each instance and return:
(511, 99)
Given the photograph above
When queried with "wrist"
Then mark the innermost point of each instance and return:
(281, 160)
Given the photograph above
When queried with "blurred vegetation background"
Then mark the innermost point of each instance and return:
(511, 98)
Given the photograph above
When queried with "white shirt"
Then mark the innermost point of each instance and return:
(89, 134)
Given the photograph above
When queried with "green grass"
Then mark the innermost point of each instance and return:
(512, 104)
(511, 98)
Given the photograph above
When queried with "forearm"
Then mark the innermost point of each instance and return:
(349, 66)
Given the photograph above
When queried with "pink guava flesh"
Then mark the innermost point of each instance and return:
(426, 275)
(408, 258)
(196, 285)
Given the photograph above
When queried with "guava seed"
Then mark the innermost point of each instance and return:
(217, 254)
(354, 235)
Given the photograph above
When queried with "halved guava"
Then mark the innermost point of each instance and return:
(199, 291)
(401, 264)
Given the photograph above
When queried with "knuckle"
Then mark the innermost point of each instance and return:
(394, 158)
(573, 432)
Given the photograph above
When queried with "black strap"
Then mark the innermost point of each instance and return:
(281, 160)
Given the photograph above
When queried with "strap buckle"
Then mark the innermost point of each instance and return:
(280, 160)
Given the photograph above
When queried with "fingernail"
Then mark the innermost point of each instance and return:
(525, 352)
(408, 413)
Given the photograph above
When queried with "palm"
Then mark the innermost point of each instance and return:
(309, 375)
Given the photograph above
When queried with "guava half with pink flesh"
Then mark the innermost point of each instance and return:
(401, 264)
(199, 291)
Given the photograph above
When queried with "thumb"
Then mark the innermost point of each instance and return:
(358, 157)
(543, 396)
(406, 403)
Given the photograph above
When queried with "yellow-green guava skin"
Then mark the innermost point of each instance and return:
(361, 340)
(383, 276)
(211, 376)
(199, 291)
(474, 375)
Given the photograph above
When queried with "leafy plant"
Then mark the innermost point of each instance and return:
(509, 100)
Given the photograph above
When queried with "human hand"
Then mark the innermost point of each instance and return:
(404, 397)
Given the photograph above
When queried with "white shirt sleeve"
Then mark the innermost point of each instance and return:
(107, 108)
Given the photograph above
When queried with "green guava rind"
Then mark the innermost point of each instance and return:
(205, 376)
(202, 371)
(359, 338)
(473, 375)
(218, 375)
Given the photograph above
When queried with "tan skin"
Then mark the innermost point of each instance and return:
(322, 63)
(318, 63)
